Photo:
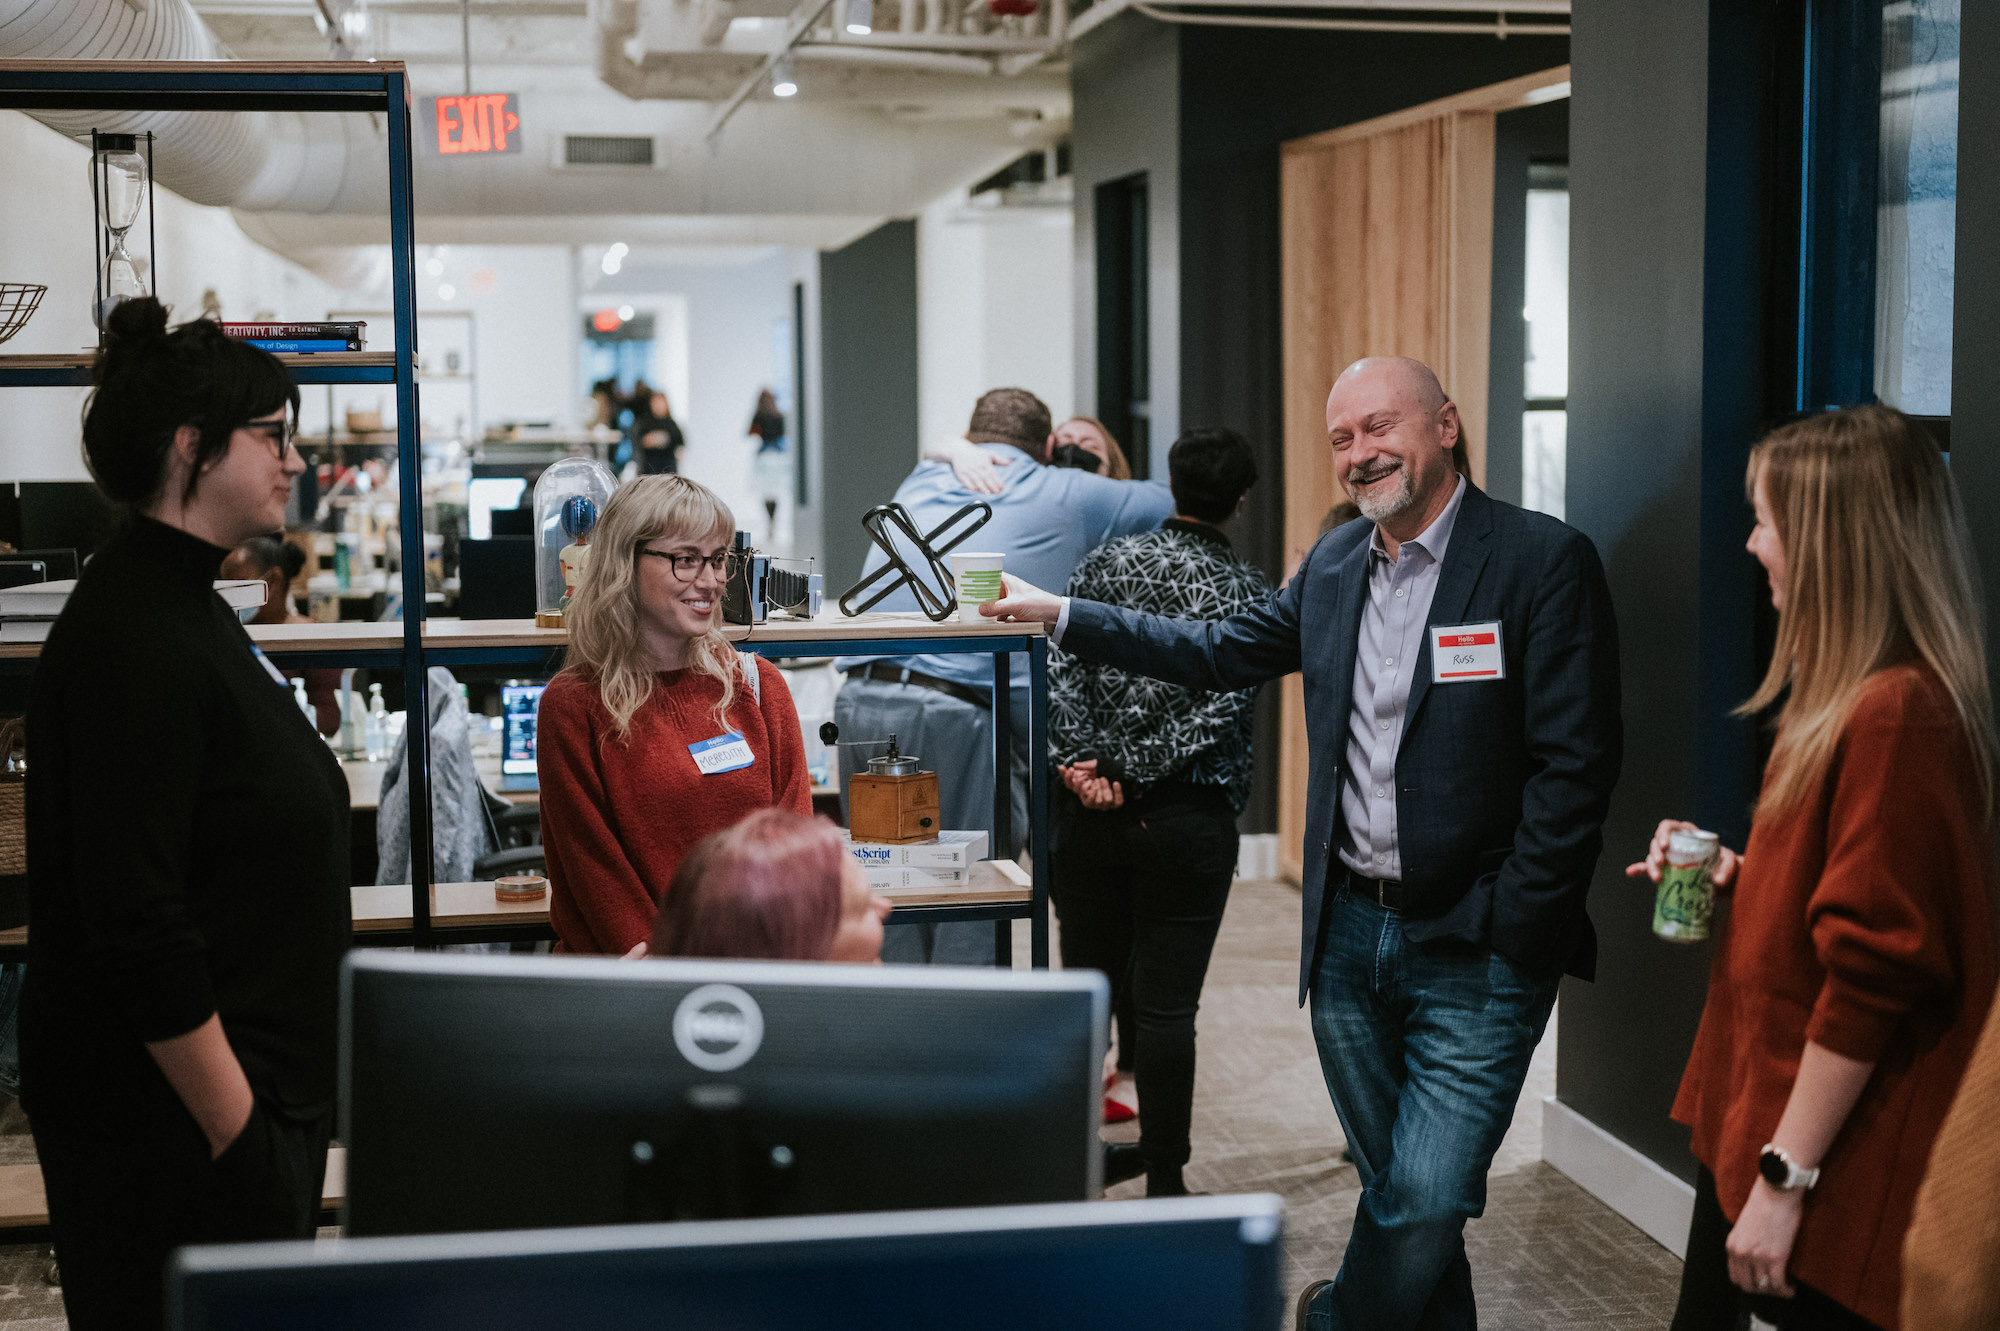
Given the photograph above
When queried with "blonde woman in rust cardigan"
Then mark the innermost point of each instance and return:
(1859, 959)
(658, 732)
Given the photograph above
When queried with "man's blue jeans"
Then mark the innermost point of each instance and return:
(1424, 1050)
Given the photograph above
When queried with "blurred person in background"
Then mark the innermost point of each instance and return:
(776, 886)
(657, 435)
(277, 563)
(1075, 439)
(1859, 957)
(1153, 776)
(1951, 1259)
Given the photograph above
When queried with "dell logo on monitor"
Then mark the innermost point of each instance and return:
(718, 1027)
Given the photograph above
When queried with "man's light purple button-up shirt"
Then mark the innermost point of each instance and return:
(1385, 663)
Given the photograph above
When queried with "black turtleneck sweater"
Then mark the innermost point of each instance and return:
(187, 839)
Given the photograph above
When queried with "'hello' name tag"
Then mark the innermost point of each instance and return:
(724, 753)
(1464, 652)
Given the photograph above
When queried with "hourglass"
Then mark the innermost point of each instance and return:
(120, 183)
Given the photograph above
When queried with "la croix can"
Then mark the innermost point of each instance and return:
(1686, 899)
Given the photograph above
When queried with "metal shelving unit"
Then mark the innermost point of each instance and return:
(383, 89)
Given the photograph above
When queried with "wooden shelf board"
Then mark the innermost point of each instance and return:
(24, 1201)
(83, 360)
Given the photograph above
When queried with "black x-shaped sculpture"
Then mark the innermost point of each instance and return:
(877, 522)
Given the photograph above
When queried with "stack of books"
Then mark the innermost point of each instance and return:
(302, 338)
(945, 862)
(27, 611)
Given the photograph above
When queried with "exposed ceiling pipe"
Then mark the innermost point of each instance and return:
(1102, 12)
(1498, 27)
(254, 160)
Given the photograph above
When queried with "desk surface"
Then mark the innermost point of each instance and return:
(462, 905)
(364, 783)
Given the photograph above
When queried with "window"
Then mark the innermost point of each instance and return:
(1545, 422)
(1917, 193)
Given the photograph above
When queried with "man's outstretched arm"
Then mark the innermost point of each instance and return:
(1225, 655)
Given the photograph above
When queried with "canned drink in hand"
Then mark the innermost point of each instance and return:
(1686, 899)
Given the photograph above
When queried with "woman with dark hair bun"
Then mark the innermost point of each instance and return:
(776, 886)
(187, 847)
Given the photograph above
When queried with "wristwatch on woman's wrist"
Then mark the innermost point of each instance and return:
(1782, 1172)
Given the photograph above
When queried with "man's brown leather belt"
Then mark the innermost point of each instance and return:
(1382, 891)
(888, 674)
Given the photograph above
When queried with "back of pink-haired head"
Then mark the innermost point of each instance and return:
(768, 888)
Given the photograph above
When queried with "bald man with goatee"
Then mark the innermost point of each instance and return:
(1461, 681)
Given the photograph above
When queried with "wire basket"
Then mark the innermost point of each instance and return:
(18, 303)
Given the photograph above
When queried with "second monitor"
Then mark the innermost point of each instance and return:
(488, 1092)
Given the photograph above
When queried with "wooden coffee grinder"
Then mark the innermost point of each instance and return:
(893, 801)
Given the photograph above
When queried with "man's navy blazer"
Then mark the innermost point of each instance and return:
(1501, 784)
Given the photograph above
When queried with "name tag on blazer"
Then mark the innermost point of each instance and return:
(724, 753)
(1461, 653)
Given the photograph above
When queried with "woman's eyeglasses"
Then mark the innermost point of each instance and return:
(687, 567)
(280, 433)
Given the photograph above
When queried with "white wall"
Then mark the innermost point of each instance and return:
(993, 309)
(45, 236)
(523, 302)
(735, 299)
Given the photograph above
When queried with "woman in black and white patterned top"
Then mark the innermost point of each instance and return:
(1153, 777)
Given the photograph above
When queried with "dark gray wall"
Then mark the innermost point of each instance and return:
(1668, 389)
(1975, 387)
(868, 360)
(1125, 91)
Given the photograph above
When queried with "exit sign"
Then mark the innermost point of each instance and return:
(478, 124)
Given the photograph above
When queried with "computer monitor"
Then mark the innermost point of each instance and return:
(518, 704)
(491, 1092)
(483, 494)
(1209, 1262)
(496, 578)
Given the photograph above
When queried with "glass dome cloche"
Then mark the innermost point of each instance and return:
(569, 503)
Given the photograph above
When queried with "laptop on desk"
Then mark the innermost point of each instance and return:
(518, 705)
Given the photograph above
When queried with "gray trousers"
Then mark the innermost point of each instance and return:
(954, 739)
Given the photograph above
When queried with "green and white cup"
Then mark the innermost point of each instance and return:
(977, 577)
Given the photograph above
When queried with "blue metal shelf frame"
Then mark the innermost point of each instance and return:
(384, 89)
(346, 86)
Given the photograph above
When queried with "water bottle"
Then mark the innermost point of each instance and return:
(376, 735)
(305, 704)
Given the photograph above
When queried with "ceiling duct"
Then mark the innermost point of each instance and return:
(255, 160)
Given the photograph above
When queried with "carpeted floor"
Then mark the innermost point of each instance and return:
(1546, 1256)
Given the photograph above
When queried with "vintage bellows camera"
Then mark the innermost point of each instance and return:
(758, 589)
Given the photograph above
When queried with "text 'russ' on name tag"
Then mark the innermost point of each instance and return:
(724, 753)
(1463, 652)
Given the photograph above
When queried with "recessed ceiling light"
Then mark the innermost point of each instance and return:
(447, 291)
(625, 313)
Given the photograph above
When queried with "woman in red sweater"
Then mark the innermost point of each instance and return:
(1859, 958)
(658, 732)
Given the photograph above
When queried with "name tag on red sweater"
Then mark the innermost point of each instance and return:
(1466, 652)
(724, 753)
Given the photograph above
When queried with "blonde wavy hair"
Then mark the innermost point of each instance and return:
(1878, 573)
(606, 644)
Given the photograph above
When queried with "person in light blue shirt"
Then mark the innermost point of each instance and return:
(1045, 520)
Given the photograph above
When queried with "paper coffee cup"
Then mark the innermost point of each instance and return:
(978, 579)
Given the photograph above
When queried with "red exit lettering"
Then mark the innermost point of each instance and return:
(475, 124)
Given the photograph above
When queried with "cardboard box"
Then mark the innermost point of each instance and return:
(951, 850)
(889, 879)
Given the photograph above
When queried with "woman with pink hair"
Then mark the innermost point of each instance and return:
(775, 886)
